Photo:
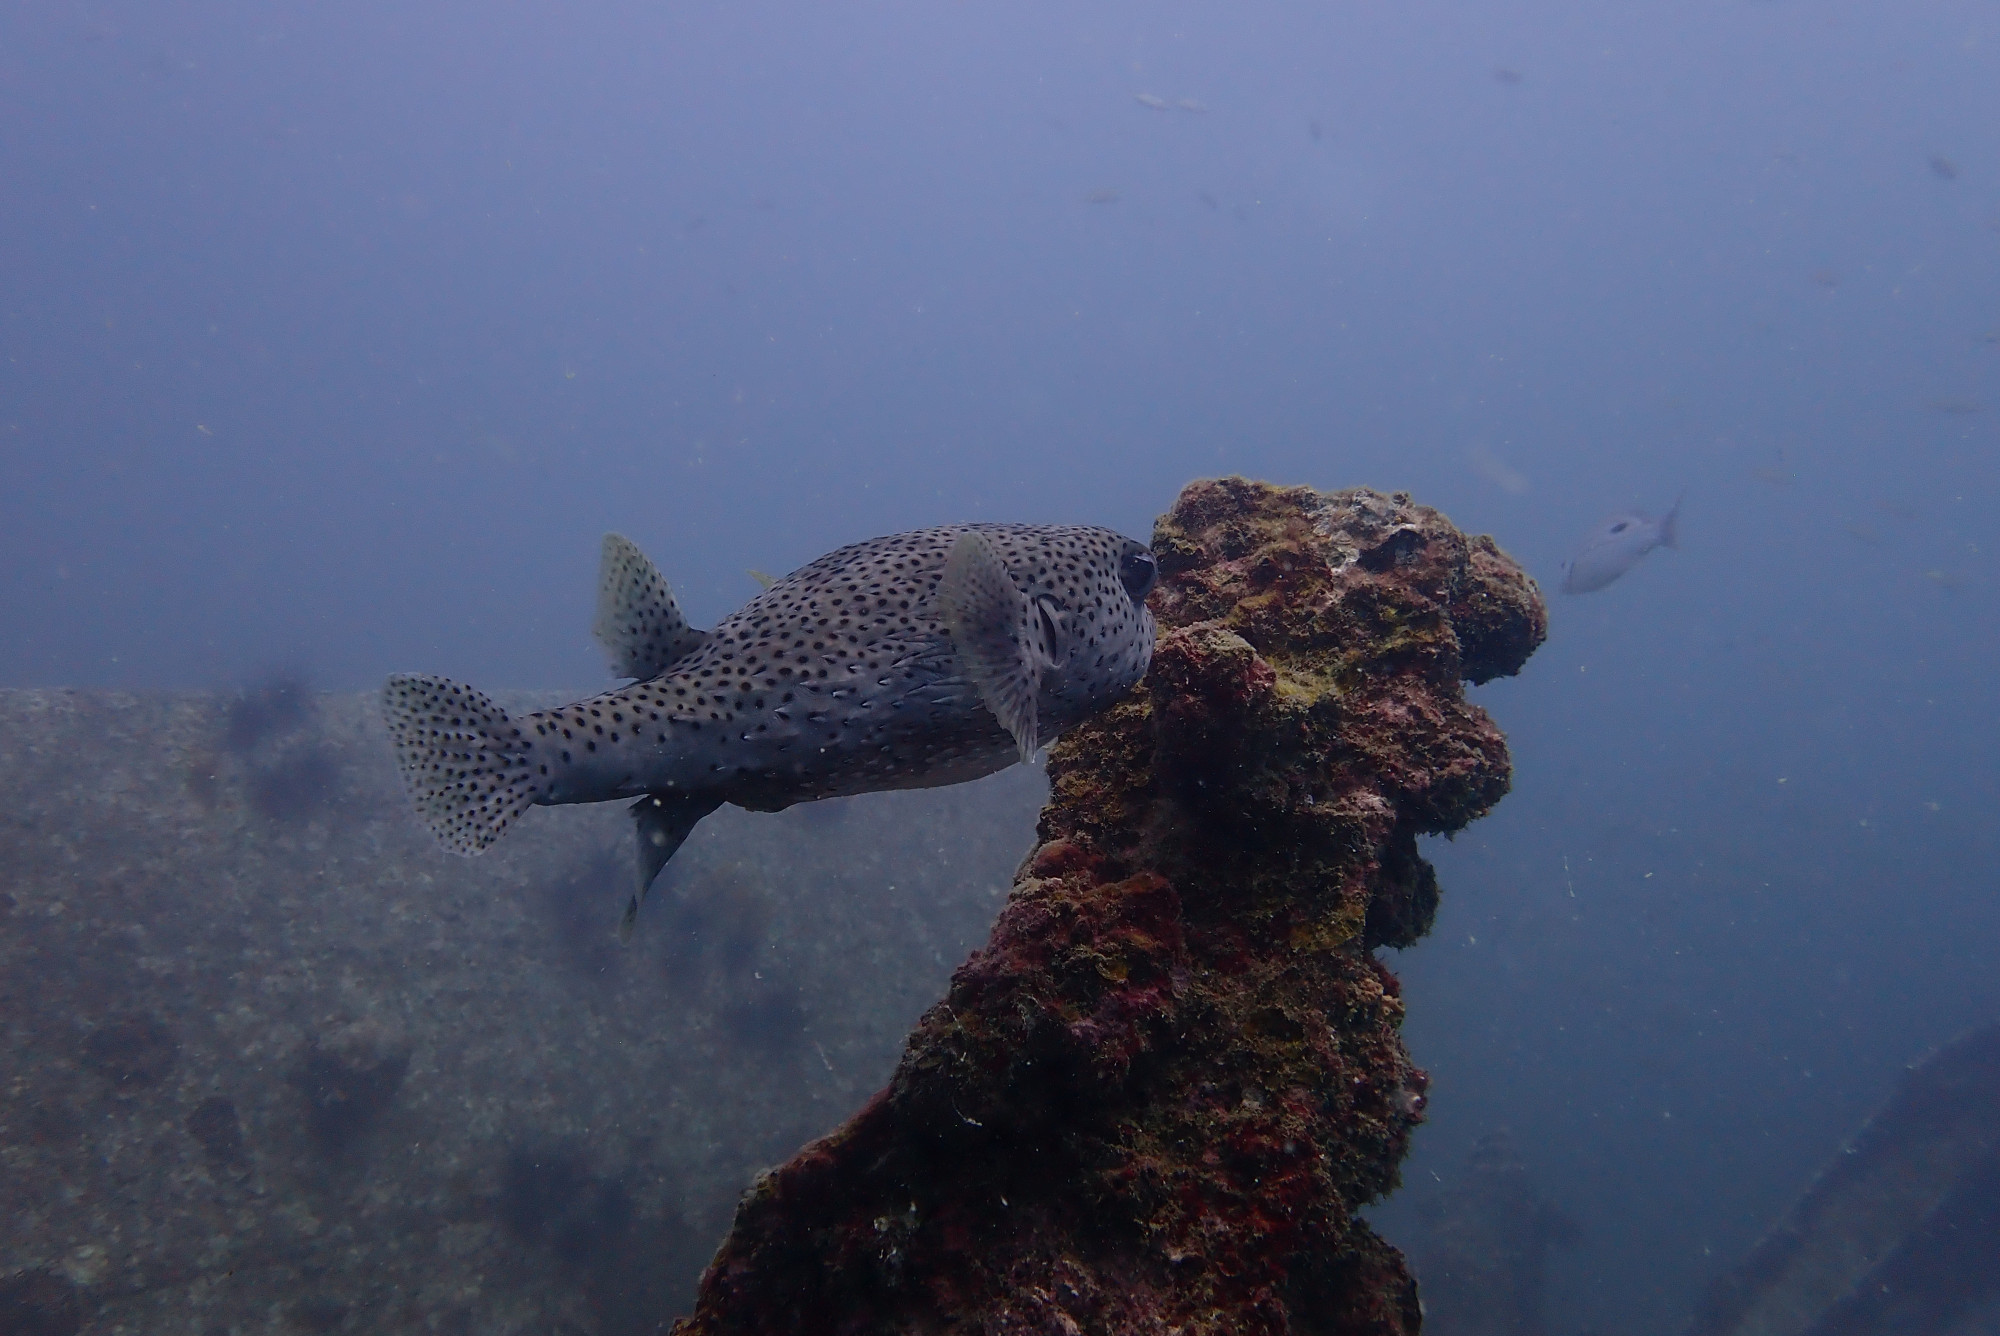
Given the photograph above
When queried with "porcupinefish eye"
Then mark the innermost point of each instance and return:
(1138, 571)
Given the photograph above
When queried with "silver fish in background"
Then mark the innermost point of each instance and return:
(909, 661)
(1615, 546)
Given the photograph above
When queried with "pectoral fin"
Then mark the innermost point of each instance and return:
(664, 821)
(1004, 641)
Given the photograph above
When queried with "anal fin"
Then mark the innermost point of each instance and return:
(663, 822)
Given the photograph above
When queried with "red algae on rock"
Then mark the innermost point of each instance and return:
(1154, 1101)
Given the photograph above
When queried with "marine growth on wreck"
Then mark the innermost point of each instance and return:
(1157, 1097)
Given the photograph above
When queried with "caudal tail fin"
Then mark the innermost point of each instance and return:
(465, 764)
(1669, 526)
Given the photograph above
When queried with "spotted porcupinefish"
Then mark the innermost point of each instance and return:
(909, 661)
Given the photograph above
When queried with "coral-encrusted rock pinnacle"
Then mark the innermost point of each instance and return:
(1154, 1101)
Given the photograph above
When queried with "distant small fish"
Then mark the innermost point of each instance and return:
(1507, 76)
(1954, 407)
(1104, 196)
(1775, 473)
(1496, 470)
(1316, 130)
(1862, 533)
(1990, 336)
(1207, 199)
(903, 662)
(1153, 100)
(1615, 546)
(1943, 168)
(1826, 278)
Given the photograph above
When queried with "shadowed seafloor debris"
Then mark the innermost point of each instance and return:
(274, 1063)
(1483, 1250)
(1156, 1099)
(1900, 1234)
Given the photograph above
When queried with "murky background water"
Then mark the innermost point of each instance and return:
(335, 337)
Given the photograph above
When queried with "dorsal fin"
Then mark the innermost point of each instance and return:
(638, 622)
